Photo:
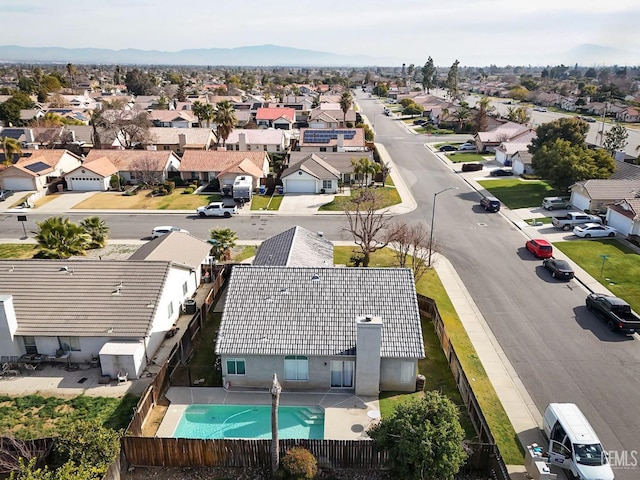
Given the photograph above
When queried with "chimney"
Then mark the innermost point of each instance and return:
(341, 142)
(368, 345)
(8, 327)
(182, 141)
(242, 141)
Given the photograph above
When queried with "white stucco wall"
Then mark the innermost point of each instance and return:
(8, 326)
(622, 224)
(390, 375)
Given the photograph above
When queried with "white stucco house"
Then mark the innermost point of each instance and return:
(136, 165)
(37, 169)
(624, 216)
(597, 194)
(93, 176)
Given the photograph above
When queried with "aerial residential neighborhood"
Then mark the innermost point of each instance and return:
(252, 262)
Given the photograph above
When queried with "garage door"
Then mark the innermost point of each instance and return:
(90, 184)
(300, 186)
(17, 183)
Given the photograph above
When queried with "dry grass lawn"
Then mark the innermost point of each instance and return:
(117, 201)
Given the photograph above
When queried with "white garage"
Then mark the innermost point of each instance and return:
(93, 177)
(299, 186)
(17, 184)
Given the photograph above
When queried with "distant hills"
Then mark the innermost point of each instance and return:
(262, 55)
(274, 55)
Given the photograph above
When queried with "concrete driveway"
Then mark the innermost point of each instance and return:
(303, 203)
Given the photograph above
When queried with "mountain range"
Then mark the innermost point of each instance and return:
(274, 55)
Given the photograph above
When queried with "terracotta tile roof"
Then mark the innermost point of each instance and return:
(245, 166)
(173, 116)
(257, 136)
(218, 160)
(102, 166)
(276, 113)
(123, 159)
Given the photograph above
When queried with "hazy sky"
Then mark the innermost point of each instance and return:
(477, 32)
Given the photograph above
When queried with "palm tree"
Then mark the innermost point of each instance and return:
(97, 229)
(72, 71)
(208, 113)
(484, 108)
(198, 110)
(223, 240)
(363, 168)
(60, 238)
(345, 104)
(225, 119)
(10, 147)
(462, 114)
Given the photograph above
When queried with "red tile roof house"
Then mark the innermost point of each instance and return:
(37, 169)
(629, 114)
(512, 132)
(282, 118)
(224, 166)
(137, 166)
(94, 176)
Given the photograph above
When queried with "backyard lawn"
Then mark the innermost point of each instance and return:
(459, 157)
(34, 416)
(517, 193)
(390, 196)
(621, 269)
(16, 250)
(117, 201)
(266, 202)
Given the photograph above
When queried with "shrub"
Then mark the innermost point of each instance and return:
(188, 190)
(194, 186)
(299, 464)
(169, 186)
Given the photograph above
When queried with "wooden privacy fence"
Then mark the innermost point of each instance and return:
(189, 452)
(428, 308)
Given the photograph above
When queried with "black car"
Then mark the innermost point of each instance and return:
(4, 194)
(471, 167)
(448, 148)
(419, 122)
(558, 268)
(501, 172)
(490, 204)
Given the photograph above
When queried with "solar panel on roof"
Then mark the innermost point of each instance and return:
(324, 136)
(37, 167)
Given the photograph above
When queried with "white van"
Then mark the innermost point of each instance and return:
(573, 444)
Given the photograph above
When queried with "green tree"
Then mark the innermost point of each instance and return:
(72, 71)
(452, 81)
(10, 147)
(222, 241)
(10, 110)
(428, 75)
(480, 118)
(570, 129)
(423, 438)
(345, 104)
(225, 119)
(369, 136)
(563, 163)
(518, 93)
(413, 109)
(462, 114)
(364, 169)
(50, 83)
(518, 115)
(615, 139)
(27, 85)
(97, 230)
(181, 94)
(89, 445)
(139, 83)
(58, 237)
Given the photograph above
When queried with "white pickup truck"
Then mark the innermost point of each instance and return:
(217, 209)
(572, 219)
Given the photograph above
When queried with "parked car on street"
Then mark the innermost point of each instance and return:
(501, 172)
(539, 109)
(164, 229)
(217, 209)
(558, 268)
(471, 167)
(4, 194)
(466, 146)
(540, 248)
(448, 148)
(490, 204)
(588, 119)
(589, 230)
(614, 311)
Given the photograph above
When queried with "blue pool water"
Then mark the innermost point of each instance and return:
(249, 421)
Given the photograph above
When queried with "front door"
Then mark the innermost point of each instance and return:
(342, 374)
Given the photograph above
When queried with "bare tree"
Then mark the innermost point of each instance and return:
(411, 245)
(367, 224)
(12, 450)
(131, 127)
(146, 169)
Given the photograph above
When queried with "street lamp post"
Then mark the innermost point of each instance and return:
(433, 217)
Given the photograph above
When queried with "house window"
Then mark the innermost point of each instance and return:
(170, 309)
(235, 366)
(407, 372)
(296, 367)
(30, 345)
(69, 344)
(327, 184)
(323, 149)
(341, 374)
(184, 288)
(265, 148)
(167, 147)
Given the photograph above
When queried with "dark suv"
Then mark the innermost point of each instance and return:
(490, 204)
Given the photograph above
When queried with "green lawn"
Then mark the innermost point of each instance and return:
(621, 269)
(34, 416)
(517, 193)
(437, 373)
(13, 250)
(390, 196)
(459, 157)
(265, 202)
(543, 220)
(201, 363)
(245, 252)
(177, 200)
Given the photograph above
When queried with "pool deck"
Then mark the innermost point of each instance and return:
(345, 414)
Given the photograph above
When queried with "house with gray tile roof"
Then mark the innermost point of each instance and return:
(321, 328)
(295, 247)
(81, 308)
(310, 175)
(624, 216)
(597, 194)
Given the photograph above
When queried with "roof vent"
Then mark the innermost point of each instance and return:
(315, 277)
(284, 291)
(367, 318)
(321, 234)
(116, 292)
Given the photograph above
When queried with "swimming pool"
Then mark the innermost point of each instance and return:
(249, 421)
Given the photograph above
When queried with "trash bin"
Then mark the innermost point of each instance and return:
(420, 381)
(190, 306)
(280, 189)
(263, 189)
